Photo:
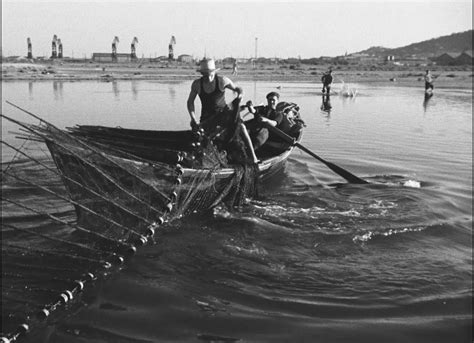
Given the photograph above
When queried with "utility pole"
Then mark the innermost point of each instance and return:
(256, 49)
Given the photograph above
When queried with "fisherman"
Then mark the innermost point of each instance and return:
(428, 81)
(263, 115)
(234, 67)
(327, 81)
(215, 113)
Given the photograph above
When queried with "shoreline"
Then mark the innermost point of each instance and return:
(449, 77)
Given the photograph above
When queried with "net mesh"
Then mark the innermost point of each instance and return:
(77, 203)
(75, 214)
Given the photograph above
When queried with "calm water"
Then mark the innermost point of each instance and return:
(312, 259)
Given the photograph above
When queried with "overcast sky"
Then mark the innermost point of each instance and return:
(228, 28)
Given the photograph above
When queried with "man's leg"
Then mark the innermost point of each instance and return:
(260, 138)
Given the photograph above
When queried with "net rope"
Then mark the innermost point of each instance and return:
(75, 208)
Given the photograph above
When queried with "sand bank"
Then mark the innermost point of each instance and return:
(449, 77)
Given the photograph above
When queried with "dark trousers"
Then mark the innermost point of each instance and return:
(327, 88)
(258, 134)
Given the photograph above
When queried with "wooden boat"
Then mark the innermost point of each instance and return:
(123, 184)
(156, 175)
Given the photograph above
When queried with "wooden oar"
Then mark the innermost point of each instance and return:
(338, 170)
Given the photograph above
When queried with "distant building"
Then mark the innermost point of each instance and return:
(243, 60)
(362, 58)
(445, 59)
(108, 57)
(228, 60)
(292, 60)
(185, 58)
(464, 58)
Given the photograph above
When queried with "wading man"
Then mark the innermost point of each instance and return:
(327, 81)
(428, 82)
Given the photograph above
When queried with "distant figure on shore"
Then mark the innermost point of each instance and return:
(428, 82)
(263, 115)
(327, 81)
(215, 113)
(234, 68)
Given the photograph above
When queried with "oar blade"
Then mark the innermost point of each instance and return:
(345, 174)
(338, 170)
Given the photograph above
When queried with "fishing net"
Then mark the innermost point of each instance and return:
(77, 203)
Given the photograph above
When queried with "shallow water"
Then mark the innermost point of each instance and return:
(312, 258)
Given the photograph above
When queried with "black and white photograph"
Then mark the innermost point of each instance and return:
(236, 171)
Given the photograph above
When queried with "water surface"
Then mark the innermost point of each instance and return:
(312, 258)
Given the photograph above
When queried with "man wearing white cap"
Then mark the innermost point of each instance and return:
(211, 90)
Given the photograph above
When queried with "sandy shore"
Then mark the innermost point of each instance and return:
(449, 77)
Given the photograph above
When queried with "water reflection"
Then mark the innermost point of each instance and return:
(115, 89)
(58, 90)
(30, 90)
(134, 90)
(426, 101)
(172, 92)
(326, 105)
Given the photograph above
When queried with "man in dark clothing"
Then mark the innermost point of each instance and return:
(211, 90)
(215, 113)
(327, 81)
(428, 81)
(263, 114)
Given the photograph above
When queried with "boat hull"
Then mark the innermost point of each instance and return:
(103, 184)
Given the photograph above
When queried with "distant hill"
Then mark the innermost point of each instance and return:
(454, 43)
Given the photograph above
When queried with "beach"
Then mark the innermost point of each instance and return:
(383, 75)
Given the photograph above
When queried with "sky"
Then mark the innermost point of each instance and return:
(227, 28)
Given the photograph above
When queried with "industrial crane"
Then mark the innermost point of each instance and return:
(60, 48)
(171, 48)
(133, 50)
(114, 48)
(54, 53)
(30, 51)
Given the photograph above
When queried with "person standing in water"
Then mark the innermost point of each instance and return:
(327, 81)
(234, 67)
(428, 82)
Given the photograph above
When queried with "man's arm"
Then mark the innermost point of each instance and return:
(250, 107)
(257, 112)
(269, 121)
(229, 84)
(190, 103)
